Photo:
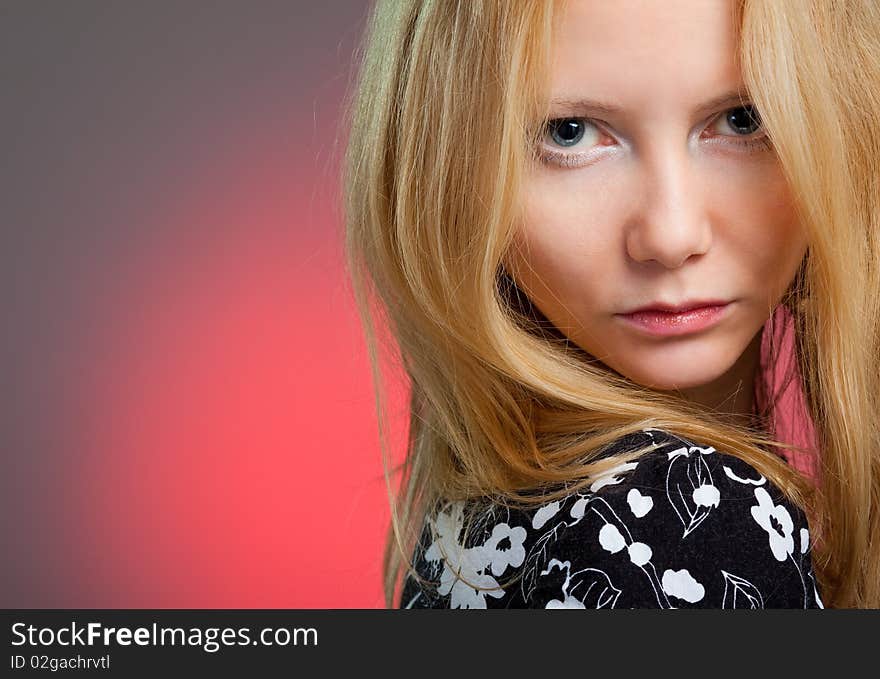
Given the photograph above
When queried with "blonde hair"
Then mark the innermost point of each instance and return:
(449, 101)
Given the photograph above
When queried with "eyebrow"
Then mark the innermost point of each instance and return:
(582, 105)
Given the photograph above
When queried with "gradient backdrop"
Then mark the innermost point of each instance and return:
(187, 415)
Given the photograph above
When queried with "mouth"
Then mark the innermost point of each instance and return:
(663, 323)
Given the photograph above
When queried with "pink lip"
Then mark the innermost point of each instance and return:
(678, 308)
(665, 324)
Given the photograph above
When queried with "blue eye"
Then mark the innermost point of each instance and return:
(744, 119)
(566, 131)
(742, 123)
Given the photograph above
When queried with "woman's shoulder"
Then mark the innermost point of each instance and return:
(683, 525)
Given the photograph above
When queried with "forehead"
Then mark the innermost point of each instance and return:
(635, 53)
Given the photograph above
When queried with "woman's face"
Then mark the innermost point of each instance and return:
(662, 199)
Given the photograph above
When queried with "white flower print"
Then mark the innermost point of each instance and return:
(690, 488)
(593, 549)
(462, 568)
(587, 588)
(611, 539)
(570, 602)
(776, 520)
(639, 553)
(687, 450)
(639, 504)
(682, 584)
(675, 453)
(447, 525)
(815, 591)
(706, 495)
(579, 507)
(463, 595)
(512, 555)
(608, 477)
(545, 513)
(740, 593)
(760, 481)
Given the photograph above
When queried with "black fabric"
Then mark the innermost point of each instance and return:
(684, 526)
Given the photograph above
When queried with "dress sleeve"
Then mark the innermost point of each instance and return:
(685, 527)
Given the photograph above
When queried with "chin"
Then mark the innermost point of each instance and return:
(673, 375)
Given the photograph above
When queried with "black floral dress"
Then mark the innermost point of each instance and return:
(684, 526)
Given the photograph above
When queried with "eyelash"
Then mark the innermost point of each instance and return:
(574, 160)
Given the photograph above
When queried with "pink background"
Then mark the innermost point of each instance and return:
(187, 414)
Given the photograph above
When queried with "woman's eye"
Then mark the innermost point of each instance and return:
(742, 120)
(743, 129)
(568, 132)
(740, 126)
(577, 134)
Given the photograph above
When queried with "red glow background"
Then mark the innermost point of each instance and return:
(187, 417)
(188, 420)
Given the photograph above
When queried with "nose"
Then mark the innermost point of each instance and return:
(670, 223)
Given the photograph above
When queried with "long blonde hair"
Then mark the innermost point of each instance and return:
(447, 107)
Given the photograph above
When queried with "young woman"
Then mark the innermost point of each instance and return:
(610, 241)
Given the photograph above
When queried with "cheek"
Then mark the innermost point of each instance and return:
(564, 245)
(775, 237)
